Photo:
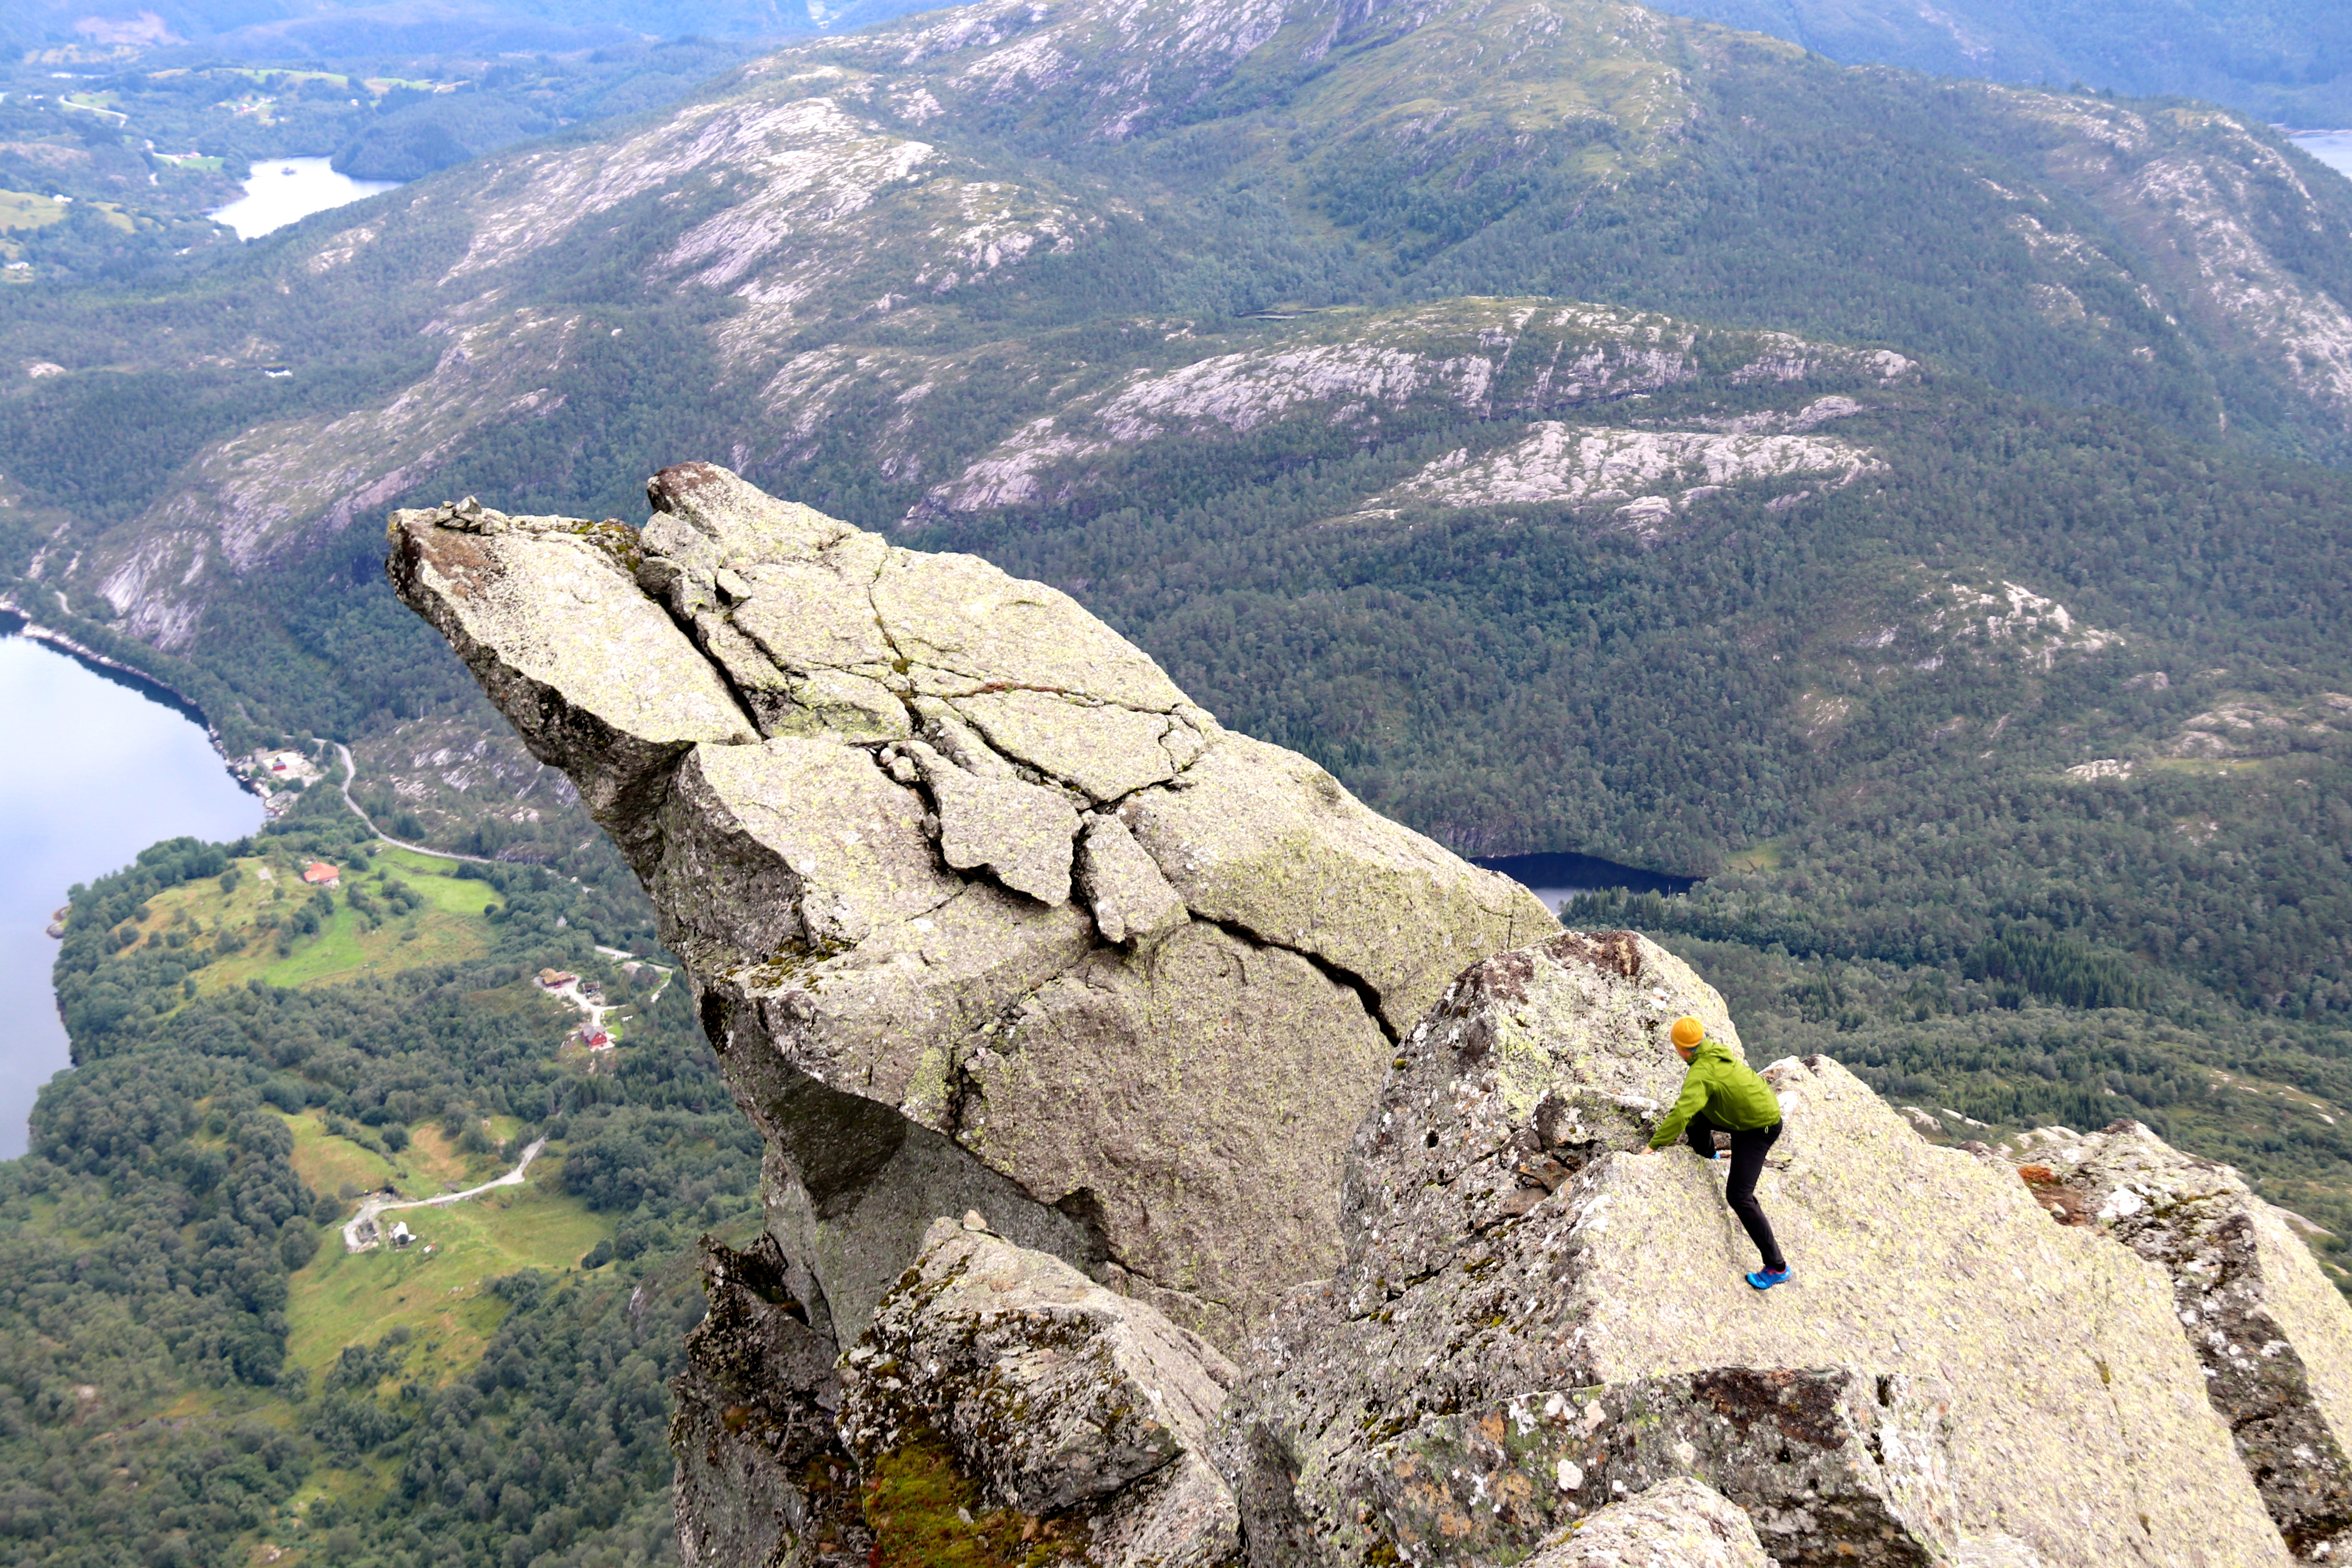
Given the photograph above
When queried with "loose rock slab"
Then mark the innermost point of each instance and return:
(935, 839)
(2273, 1336)
(1675, 1524)
(1061, 1397)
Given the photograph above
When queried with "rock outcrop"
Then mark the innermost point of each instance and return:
(1533, 1321)
(984, 917)
(2274, 1338)
(981, 911)
(761, 1476)
(1063, 1399)
(1675, 1524)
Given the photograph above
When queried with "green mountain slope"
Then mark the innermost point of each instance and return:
(2288, 61)
(195, 1368)
(557, 319)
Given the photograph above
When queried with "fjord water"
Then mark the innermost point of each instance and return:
(1556, 878)
(2333, 148)
(92, 772)
(286, 190)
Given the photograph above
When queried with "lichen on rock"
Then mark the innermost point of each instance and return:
(762, 1476)
(1061, 1397)
(934, 838)
(1675, 1524)
(1527, 1302)
(2273, 1337)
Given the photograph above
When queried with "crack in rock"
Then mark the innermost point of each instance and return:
(947, 799)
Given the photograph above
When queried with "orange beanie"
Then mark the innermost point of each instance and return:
(1688, 1032)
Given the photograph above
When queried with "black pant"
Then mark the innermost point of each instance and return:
(1747, 1150)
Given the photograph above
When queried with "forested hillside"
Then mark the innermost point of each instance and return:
(196, 1369)
(110, 168)
(2288, 61)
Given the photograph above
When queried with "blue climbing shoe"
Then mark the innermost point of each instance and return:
(1765, 1278)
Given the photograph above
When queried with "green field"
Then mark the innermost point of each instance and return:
(341, 1299)
(24, 209)
(446, 924)
(430, 1165)
(436, 878)
(327, 1163)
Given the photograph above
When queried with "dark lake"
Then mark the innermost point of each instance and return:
(1555, 879)
(92, 772)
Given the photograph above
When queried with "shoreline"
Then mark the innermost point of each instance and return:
(130, 676)
(15, 621)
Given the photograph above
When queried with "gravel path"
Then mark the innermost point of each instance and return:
(380, 1205)
(350, 772)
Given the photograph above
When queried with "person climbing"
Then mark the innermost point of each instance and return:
(1721, 1094)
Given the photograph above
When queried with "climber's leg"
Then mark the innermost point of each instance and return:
(1747, 1150)
(1701, 1134)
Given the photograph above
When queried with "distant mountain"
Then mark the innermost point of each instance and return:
(1916, 507)
(2285, 61)
(280, 29)
(954, 247)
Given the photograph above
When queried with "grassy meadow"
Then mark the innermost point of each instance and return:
(393, 910)
(411, 911)
(341, 1298)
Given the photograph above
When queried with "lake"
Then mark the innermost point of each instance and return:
(286, 190)
(92, 773)
(2333, 148)
(1556, 878)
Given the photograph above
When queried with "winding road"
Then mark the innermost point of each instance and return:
(350, 772)
(378, 1204)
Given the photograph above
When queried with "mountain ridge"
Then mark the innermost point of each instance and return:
(2276, 60)
(808, 178)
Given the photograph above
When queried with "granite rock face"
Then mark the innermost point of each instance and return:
(981, 911)
(1675, 1524)
(762, 1478)
(985, 916)
(1061, 1397)
(2273, 1337)
(1534, 1321)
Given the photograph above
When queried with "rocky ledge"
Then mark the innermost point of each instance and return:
(1302, 1214)
(981, 911)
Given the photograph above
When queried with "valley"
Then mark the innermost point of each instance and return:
(1896, 523)
(286, 1047)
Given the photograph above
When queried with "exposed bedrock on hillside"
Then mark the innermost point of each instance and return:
(981, 911)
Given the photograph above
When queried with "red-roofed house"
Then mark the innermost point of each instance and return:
(319, 874)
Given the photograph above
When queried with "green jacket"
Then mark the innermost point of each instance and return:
(1721, 1085)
